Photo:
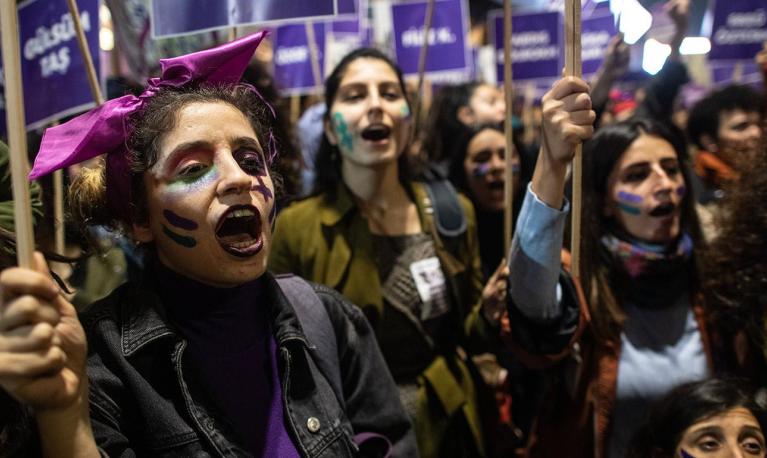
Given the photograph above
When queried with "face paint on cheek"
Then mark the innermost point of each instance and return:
(680, 191)
(405, 111)
(272, 215)
(629, 197)
(342, 130)
(186, 242)
(683, 454)
(626, 208)
(263, 189)
(182, 186)
(480, 170)
(179, 221)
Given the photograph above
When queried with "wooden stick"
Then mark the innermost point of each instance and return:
(508, 195)
(17, 133)
(422, 68)
(58, 211)
(295, 108)
(573, 68)
(82, 42)
(313, 55)
(233, 33)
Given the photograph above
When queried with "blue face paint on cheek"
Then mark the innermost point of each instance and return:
(186, 242)
(626, 199)
(179, 221)
(342, 130)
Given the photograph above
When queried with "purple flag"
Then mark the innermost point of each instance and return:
(55, 82)
(740, 28)
(179, 17)
(448, 56)
(536, 42)
(595, 37)
(292, 58)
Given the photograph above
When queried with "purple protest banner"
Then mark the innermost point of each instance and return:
(595, 37)
(180, 17)
(292, 58)
(535, 44)
(53, 70)
(740, 28)
(724, 73)
(448, 58)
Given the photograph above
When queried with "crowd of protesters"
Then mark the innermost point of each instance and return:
(355, 298)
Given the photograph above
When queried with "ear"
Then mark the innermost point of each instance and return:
(142, 233)
(329, 133)
(466, 115)
(709, 143)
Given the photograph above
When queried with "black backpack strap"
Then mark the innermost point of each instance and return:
(317, 327)
(448, 213)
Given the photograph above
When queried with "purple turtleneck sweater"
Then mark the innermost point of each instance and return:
(233, 355)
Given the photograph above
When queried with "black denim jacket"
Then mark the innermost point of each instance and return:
(142, 404)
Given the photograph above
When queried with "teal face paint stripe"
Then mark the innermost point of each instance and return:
(186, 242)
(628, 209)
(343, 131)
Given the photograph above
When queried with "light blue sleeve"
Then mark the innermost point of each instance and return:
(535, 259)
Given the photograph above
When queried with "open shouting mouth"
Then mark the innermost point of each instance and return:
(376, 132)
(239, 231)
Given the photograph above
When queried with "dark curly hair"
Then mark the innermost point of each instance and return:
(736, 265)
(704, 115)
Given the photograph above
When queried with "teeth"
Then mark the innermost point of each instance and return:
(240, 213)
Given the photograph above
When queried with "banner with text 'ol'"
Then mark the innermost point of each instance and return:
(179, 17)
(448, 58)
(55, 81)
(536, 45)
(740, 28)
(293, 60)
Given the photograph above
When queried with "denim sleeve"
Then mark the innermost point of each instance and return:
(535, 260)
(371, 396)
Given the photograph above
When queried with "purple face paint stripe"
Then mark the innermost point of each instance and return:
(179, 221)
(680, 191)
(629, 197)
(263, 189)
(481, 170)
(685, 454)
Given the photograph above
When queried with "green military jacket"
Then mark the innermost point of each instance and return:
(329, 242)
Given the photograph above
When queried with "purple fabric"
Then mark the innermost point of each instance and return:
(105, 129)
(232, 357)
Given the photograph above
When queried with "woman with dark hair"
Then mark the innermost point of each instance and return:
(713, 418)
(371, 234)
(207, 354)
(641, 312)
(477, 169)
(457, 107)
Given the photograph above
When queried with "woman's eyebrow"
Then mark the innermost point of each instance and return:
(710, 429)
(751, 430)
(177, 153)
(247, 142)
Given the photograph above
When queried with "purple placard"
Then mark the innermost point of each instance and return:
(448, 55)
(292, 58)
(725, 73)
(180, 17)
(596, 33)
(740, 28)
(54, 78)
(536, 42)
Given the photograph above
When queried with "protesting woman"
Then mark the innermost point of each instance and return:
(206, 355)
(643, 316)
(371, 233)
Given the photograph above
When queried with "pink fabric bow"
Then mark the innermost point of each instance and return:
(105, 129)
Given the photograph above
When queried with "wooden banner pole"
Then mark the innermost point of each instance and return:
(314, 56)
(17, 133)
(82, 42)
(508, 195)
(573, 67)
(422, 68)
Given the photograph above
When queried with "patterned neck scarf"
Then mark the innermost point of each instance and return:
(640, 258)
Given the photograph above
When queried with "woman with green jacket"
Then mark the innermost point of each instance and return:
(371, 234)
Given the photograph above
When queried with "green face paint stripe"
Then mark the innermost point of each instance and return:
(186, 242)
(405, 111)
(628, 209)
(343, 131)
(188, 184)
